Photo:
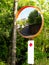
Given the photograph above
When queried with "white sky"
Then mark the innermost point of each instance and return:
(25, 13)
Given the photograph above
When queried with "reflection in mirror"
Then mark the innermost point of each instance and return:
(29, 21)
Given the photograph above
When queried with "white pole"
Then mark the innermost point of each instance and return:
(31, 52)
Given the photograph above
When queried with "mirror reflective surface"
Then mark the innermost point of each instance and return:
(29, 21)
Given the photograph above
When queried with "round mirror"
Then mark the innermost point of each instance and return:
(29, 21)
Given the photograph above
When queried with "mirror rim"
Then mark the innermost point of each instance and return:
(31, 36)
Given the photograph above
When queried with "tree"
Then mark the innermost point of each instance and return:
(34, 17)
(14, 34)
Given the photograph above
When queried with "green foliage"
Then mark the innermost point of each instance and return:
(25, 3)
(6, 26)
(33, 19)
(21, 50)
(2, 63)
(6, 23)
(39, 55)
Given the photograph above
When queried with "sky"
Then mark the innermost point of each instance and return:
(25, 13)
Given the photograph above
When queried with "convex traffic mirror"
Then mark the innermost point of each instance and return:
(29, 21)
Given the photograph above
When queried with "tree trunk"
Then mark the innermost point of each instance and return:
(14, 35)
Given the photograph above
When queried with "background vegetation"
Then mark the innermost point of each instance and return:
(6, 26)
